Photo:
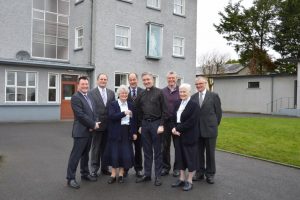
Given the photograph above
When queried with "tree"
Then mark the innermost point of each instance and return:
(287, 35)
(212, 64)
(249, 31)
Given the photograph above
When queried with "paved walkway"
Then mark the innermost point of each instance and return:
(35, 160)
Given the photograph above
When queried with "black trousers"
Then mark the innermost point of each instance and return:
(166, 140)
(151, 142)
(207, 163)
(138, 159)
(97, 150)
(80, 152)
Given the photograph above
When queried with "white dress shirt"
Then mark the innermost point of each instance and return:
(181, 108)
(124, 107)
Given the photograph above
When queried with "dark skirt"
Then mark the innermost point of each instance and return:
(119, 153)
(186, 155)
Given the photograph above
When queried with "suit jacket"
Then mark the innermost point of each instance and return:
(188, 126)
(210, 114)
(84, 117)
(101, 109)
(115, 115)
(139, 91)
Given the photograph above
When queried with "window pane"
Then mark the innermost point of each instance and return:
(10, 78)
(62, 42)
(38, 4)
(50, 51)
(62, 31)
(37, 50)
(21, 79)
(21, 94)
(124, 79)
(10, 94)
(38, 38)
(38, 27)
(51, 17)
(31, 79)
(52, 95)
(51, 5)
(80, 32)
(50, 40)
(62, 52)
(51, 29)
(38, 15)
(154, 47)
(30, 94)
(117, 80)
(62, 19)
(63, 7)
(79, 42)
(52, 80)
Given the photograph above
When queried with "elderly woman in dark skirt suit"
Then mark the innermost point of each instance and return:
(186, 137)
(121, 131)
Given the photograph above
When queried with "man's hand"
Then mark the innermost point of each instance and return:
(97, 125)
(134, 137)
(160, 129)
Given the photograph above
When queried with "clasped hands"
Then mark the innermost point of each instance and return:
(175, 132)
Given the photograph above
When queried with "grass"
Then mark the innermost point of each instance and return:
(276, 139)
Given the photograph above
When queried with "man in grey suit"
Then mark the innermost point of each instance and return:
(210, 118)
(102, 97)
(83, 126)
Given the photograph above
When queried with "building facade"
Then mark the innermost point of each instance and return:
(47, 44)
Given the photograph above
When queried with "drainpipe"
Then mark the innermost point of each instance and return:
(91, 73)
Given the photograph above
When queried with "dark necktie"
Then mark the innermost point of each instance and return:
(89, 101)
(133, 94)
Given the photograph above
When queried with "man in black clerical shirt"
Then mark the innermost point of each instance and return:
(152, 113)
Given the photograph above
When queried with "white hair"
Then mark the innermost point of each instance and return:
(122, 88)
(186, 86)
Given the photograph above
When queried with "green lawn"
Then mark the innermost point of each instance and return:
(276, 139)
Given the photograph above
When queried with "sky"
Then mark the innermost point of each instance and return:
(208, 39)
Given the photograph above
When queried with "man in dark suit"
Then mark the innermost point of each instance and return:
(134, 92)
(83, 126)
(210, 118)
(102, 97)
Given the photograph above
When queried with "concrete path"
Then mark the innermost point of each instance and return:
(35, 160)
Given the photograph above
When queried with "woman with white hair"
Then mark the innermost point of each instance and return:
(186, 133)
(121, 131)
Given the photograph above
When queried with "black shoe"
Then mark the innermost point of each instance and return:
(143, 179)
(198, 177)
(139, 174)
(178, 183)
(210, 180)
(164, 172)
(106, 172)
(89, 178)
(187, 186)
(121, 179)
(176, 173)
(157, 182)
(94, 174)
(73, 184)
(111, 180)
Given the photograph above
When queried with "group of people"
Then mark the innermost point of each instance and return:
(147, 119)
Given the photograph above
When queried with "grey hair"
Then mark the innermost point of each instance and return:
(147, 73)
(201, 78)
(172, 73)
(122, 88)
(186, 86)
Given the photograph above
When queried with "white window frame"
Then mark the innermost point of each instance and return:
(77, 37)
(182, 5)
(56, 88)
(149, 43)
(126, 79)
(44, 36)
(178, 46)
(27, 86)
(155, 80)
(151, 4)
(122, 36)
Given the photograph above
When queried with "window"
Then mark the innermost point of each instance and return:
(122, 37)
(79, 37)
(179, 81)
(253, 84)
(155, 80)
(154, 40)
(50, 27)
(20, 86)
(120, 79)
(52, 87)
(179, 7)
(178, 46)
(153, 4)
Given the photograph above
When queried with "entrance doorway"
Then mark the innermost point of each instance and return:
(68, 88)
